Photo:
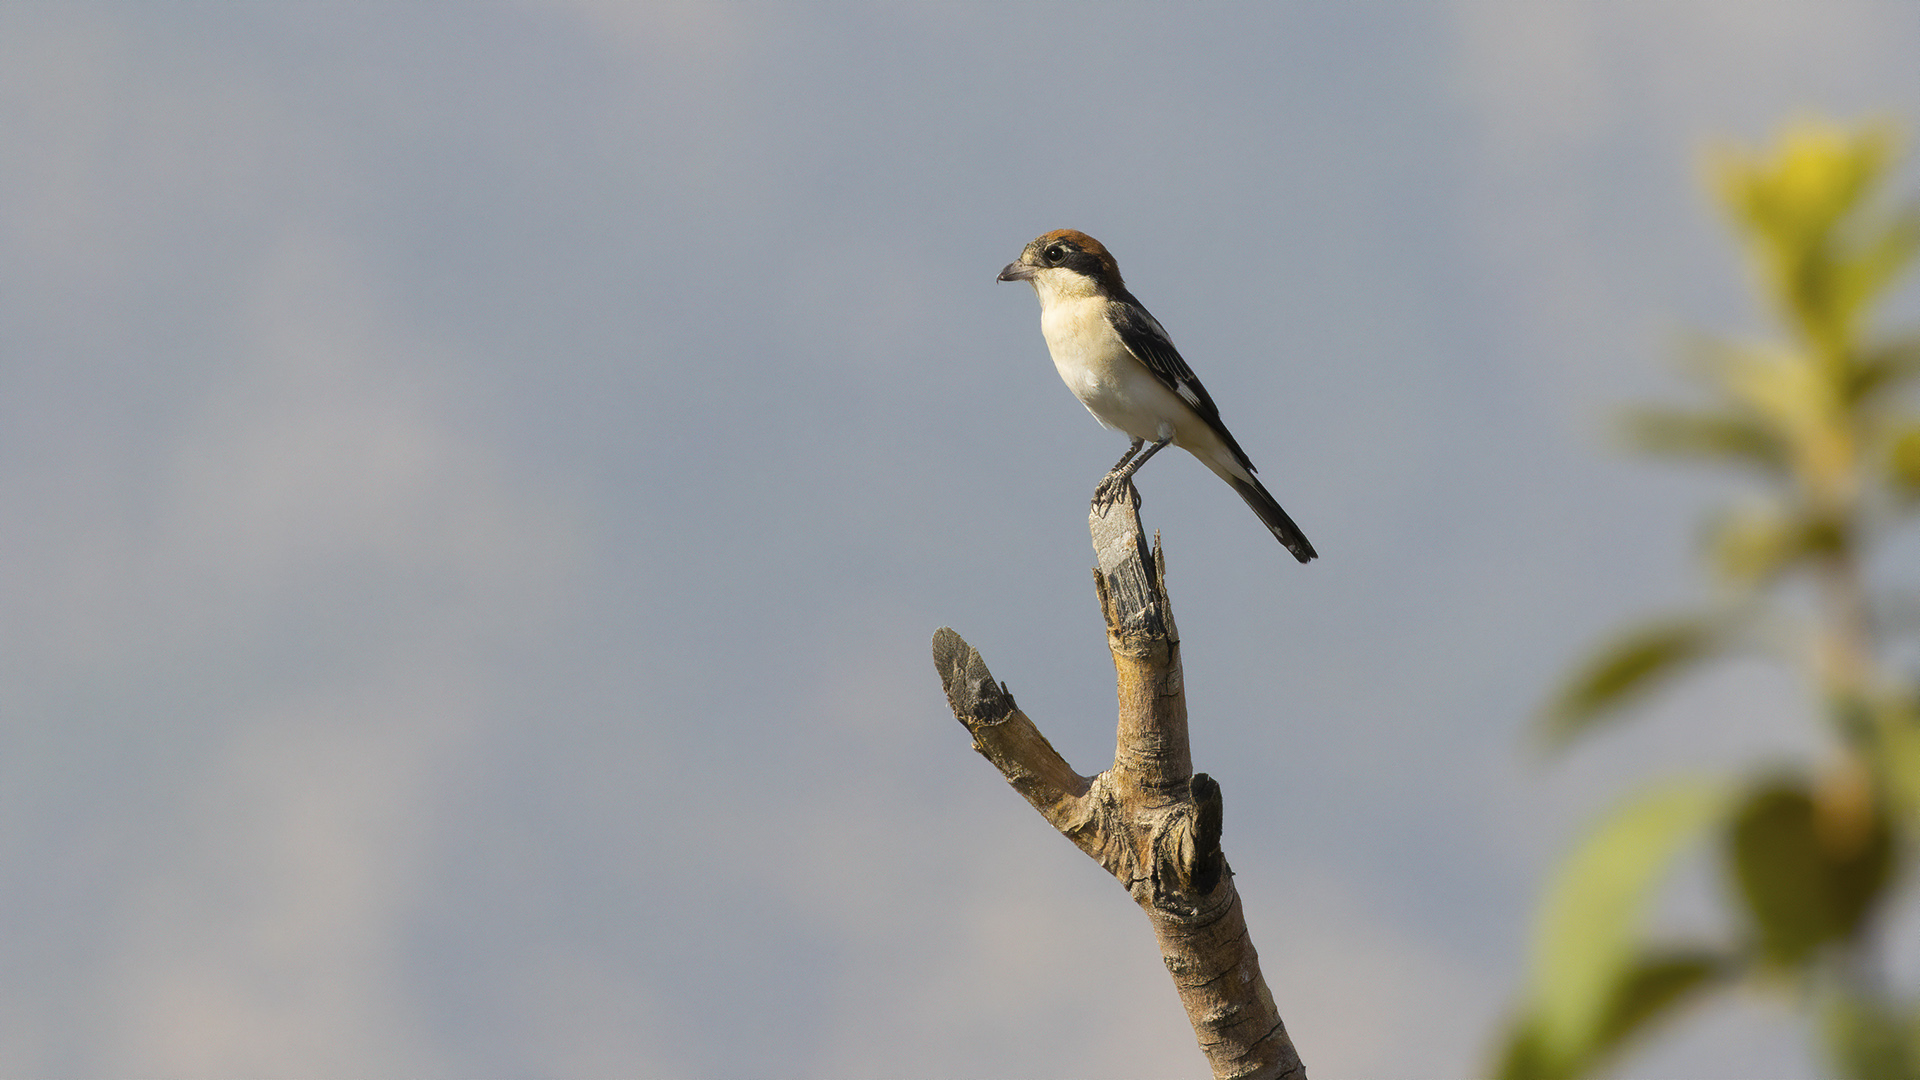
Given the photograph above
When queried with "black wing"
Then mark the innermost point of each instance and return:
(1147, 340)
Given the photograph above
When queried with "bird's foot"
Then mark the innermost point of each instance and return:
(1113, 487)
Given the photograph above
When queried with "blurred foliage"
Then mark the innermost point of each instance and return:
(1823, 417)
(1631, 665)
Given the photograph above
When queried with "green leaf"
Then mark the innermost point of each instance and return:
(1805, 882)
(1763, 380)
(1797, 190)
(1590, 990)
(1752, 545)
(1720, 437)
(1871, 1038)
(1896, 754)
(1647, 991)
(1520, 1056)
(1791, 392)
(1903, 460)
(1656, 985)
(1628, 667)
(1798, 205)
(1884, 368)
(1880, 259)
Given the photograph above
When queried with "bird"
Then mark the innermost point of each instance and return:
(1118, 360)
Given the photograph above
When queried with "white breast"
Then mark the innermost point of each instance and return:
(1115, 387)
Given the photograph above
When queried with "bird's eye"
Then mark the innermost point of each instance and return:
(1055, 254)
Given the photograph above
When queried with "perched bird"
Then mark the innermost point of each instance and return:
(1119, 362)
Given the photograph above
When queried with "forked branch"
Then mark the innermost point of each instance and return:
(1149, 818)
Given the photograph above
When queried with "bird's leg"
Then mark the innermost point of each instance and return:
(1131, 467)
(1122, 472)
(1103, 494)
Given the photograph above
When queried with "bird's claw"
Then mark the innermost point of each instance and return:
(1110, 489)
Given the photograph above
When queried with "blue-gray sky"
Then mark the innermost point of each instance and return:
(477, 483)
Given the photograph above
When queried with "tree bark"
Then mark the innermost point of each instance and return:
(1149, 819)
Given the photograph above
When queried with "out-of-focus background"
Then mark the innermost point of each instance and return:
(477, 483)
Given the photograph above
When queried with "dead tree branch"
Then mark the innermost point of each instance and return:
(1149, 819)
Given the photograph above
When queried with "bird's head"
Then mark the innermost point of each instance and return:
(1066, 262)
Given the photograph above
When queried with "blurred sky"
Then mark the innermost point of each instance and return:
(478, 481)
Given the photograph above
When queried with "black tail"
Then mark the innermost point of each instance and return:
(1268, 508)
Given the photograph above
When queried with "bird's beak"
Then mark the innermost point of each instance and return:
(1016, 271)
